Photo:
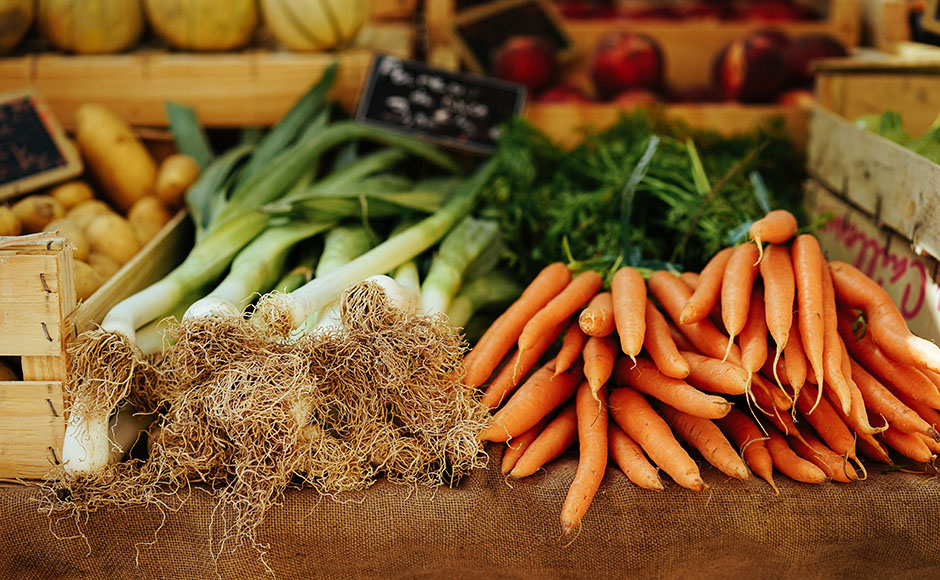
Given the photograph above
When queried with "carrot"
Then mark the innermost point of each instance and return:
(908, 445)
(776, 270)
(737, 283)
(682, 343)
(571, 346)
(881, 401)
(519, 365)
(753, 337)
(874, 450)
(776, 227)
(885, 321)
(826, 421)
(597, 318)
(835, 466)
(708, 439)
(628, 290)
(931, 443)
(807, 272)
(789, 463)
(857, 417)
(661, 346)
(832, 346)
(538, 396)
(715, 375)
(646, 378)
(630, 458)
(751, 442)
(599, 356)
(690, 279)
(672, 294)
(557, 436)
(505, 330)
(931, 416)
(777, 397)
(575, 295)
(592, 456)
(794, 359)
(900, 378)
(642, 423)
(708, 289)
(768, 371)
(516, 447)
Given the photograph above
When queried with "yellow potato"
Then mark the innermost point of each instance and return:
(72, 193)
(175, 175)
(35, 211)
(113, 236)
(106, 266)
(73, 232)
(148, 216)
(83, 213)
(9, 223)
(87, 281)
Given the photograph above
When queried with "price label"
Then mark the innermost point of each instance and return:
(460, 110)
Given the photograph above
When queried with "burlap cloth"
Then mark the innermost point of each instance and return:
(886, 527)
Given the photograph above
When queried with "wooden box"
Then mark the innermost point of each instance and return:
(38, 315)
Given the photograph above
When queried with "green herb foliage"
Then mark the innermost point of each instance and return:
(696, 194)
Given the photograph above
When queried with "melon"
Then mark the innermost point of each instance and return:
(315, 25)
(91, 26)
(203, 24)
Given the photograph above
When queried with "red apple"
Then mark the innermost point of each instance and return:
(623, 61)
(801, 53)
(563, 94)
(802, 98)
(528, 60)
(751, 69)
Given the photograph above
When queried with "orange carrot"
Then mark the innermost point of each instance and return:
(690, 279)
(715, 375)
(672, 294)
(592, 457)
(516, 369)
(931, 416)
(642, 423)
(857, 417)
(832, 346)
(769, 370)
(753, 337)
(708, 439)
(826, 421)
(630, 458)
(776, 270)
(575, 295)
(835, 466)
(557, 436)
(505, 330)
(881, 401)
(737, 283)
(789, 463)
(907, 444)
(516, 447)
(777, 227)
(885, 321)
(706, 293)
(571, 346)
(538, 396)
(874, 450)
(779, 399)
(661, 346)
(682, 343)
(745, 433)
(628, 290)
(794, 359)
(646, 378)
(597, 318)
(808, 263)
(599, 355)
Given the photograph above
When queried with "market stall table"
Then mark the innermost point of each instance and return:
(486, 528)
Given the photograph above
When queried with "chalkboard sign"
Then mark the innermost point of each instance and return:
(482, 29)
(930, 20)
(33, 149)
(461, 110)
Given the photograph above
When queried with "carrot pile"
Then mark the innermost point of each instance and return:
(771, 358)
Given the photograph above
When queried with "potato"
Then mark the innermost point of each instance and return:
(73, 232)
(72, 193)
(106, 266)
(114, 154)
(175, 175)
(37, 210)
(9, 223)
(87, 281)
(148, 216)
(83, 213)
(113, 236)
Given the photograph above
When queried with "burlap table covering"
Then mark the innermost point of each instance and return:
(886, 527)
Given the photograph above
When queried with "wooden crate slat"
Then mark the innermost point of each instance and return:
(38, 293)
(32, 428)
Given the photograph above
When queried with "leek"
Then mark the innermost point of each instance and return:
(489, 289)
(465, 242)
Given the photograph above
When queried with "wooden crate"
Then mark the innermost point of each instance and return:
(38, 315)
(885, 23)
(248, 88)
(383, 10)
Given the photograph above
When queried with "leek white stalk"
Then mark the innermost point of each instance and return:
(461, 246)
(341, 246)
(407, 275)
(86, 447)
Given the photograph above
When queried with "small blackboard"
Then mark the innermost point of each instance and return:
(460, 110)
(482, 29)
(33, 149)
(930, 21)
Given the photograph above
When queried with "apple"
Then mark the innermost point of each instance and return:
(624, 61)
(801, 53)
(528, 60)
(802, 98)
(751, 69)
